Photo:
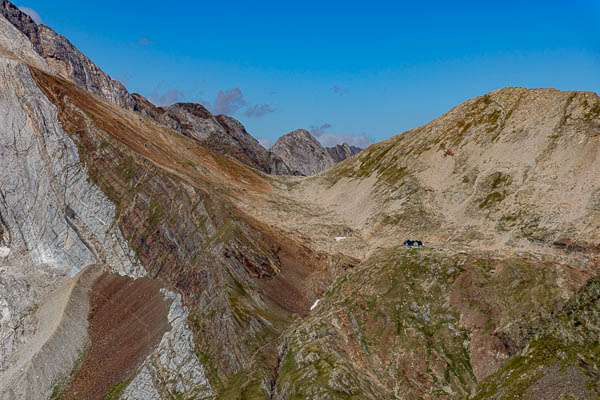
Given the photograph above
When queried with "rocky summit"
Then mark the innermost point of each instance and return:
(161, 253)
(305, 156)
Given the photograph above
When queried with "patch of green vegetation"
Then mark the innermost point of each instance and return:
(57, 392)
(498, 179)
(395, 300)
(114, 392)
(593, 113)
(245, 385)
(492, 118)
(155, 212)
(127, 168)
(492, 198)
(377, 160)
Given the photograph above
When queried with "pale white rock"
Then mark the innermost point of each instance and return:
(22, 285)
(49, 206)
(4, 251)
(61, 337)
(15, 45)
(172, 370)
(338, 238)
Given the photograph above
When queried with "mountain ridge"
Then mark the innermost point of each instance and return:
(219, 133)
(503, 190)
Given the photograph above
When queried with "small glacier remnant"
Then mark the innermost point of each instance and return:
(315, 304)
(338, 238)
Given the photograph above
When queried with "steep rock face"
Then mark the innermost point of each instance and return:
(303, 154)
(70, 63)
(342, 151)
(21, 21)
(44, 184)
(14, 44)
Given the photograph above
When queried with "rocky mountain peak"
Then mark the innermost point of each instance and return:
(305, 155)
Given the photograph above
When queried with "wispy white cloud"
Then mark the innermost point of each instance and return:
(258, 110)
(229, 102)
(331, 139)
(32, 13)
(319, 130)
(165, 98)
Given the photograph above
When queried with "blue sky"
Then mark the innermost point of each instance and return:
(360, 71)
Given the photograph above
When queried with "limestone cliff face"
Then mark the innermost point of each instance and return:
(303, 153)
(44, 184)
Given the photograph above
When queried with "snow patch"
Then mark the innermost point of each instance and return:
(338, 238)
(315, 304)
(4, 251)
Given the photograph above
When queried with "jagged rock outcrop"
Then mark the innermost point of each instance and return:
(22, 22)
(302, 153)
(340, 152)
(65, 59)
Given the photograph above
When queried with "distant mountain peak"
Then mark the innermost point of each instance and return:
(305, 155)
